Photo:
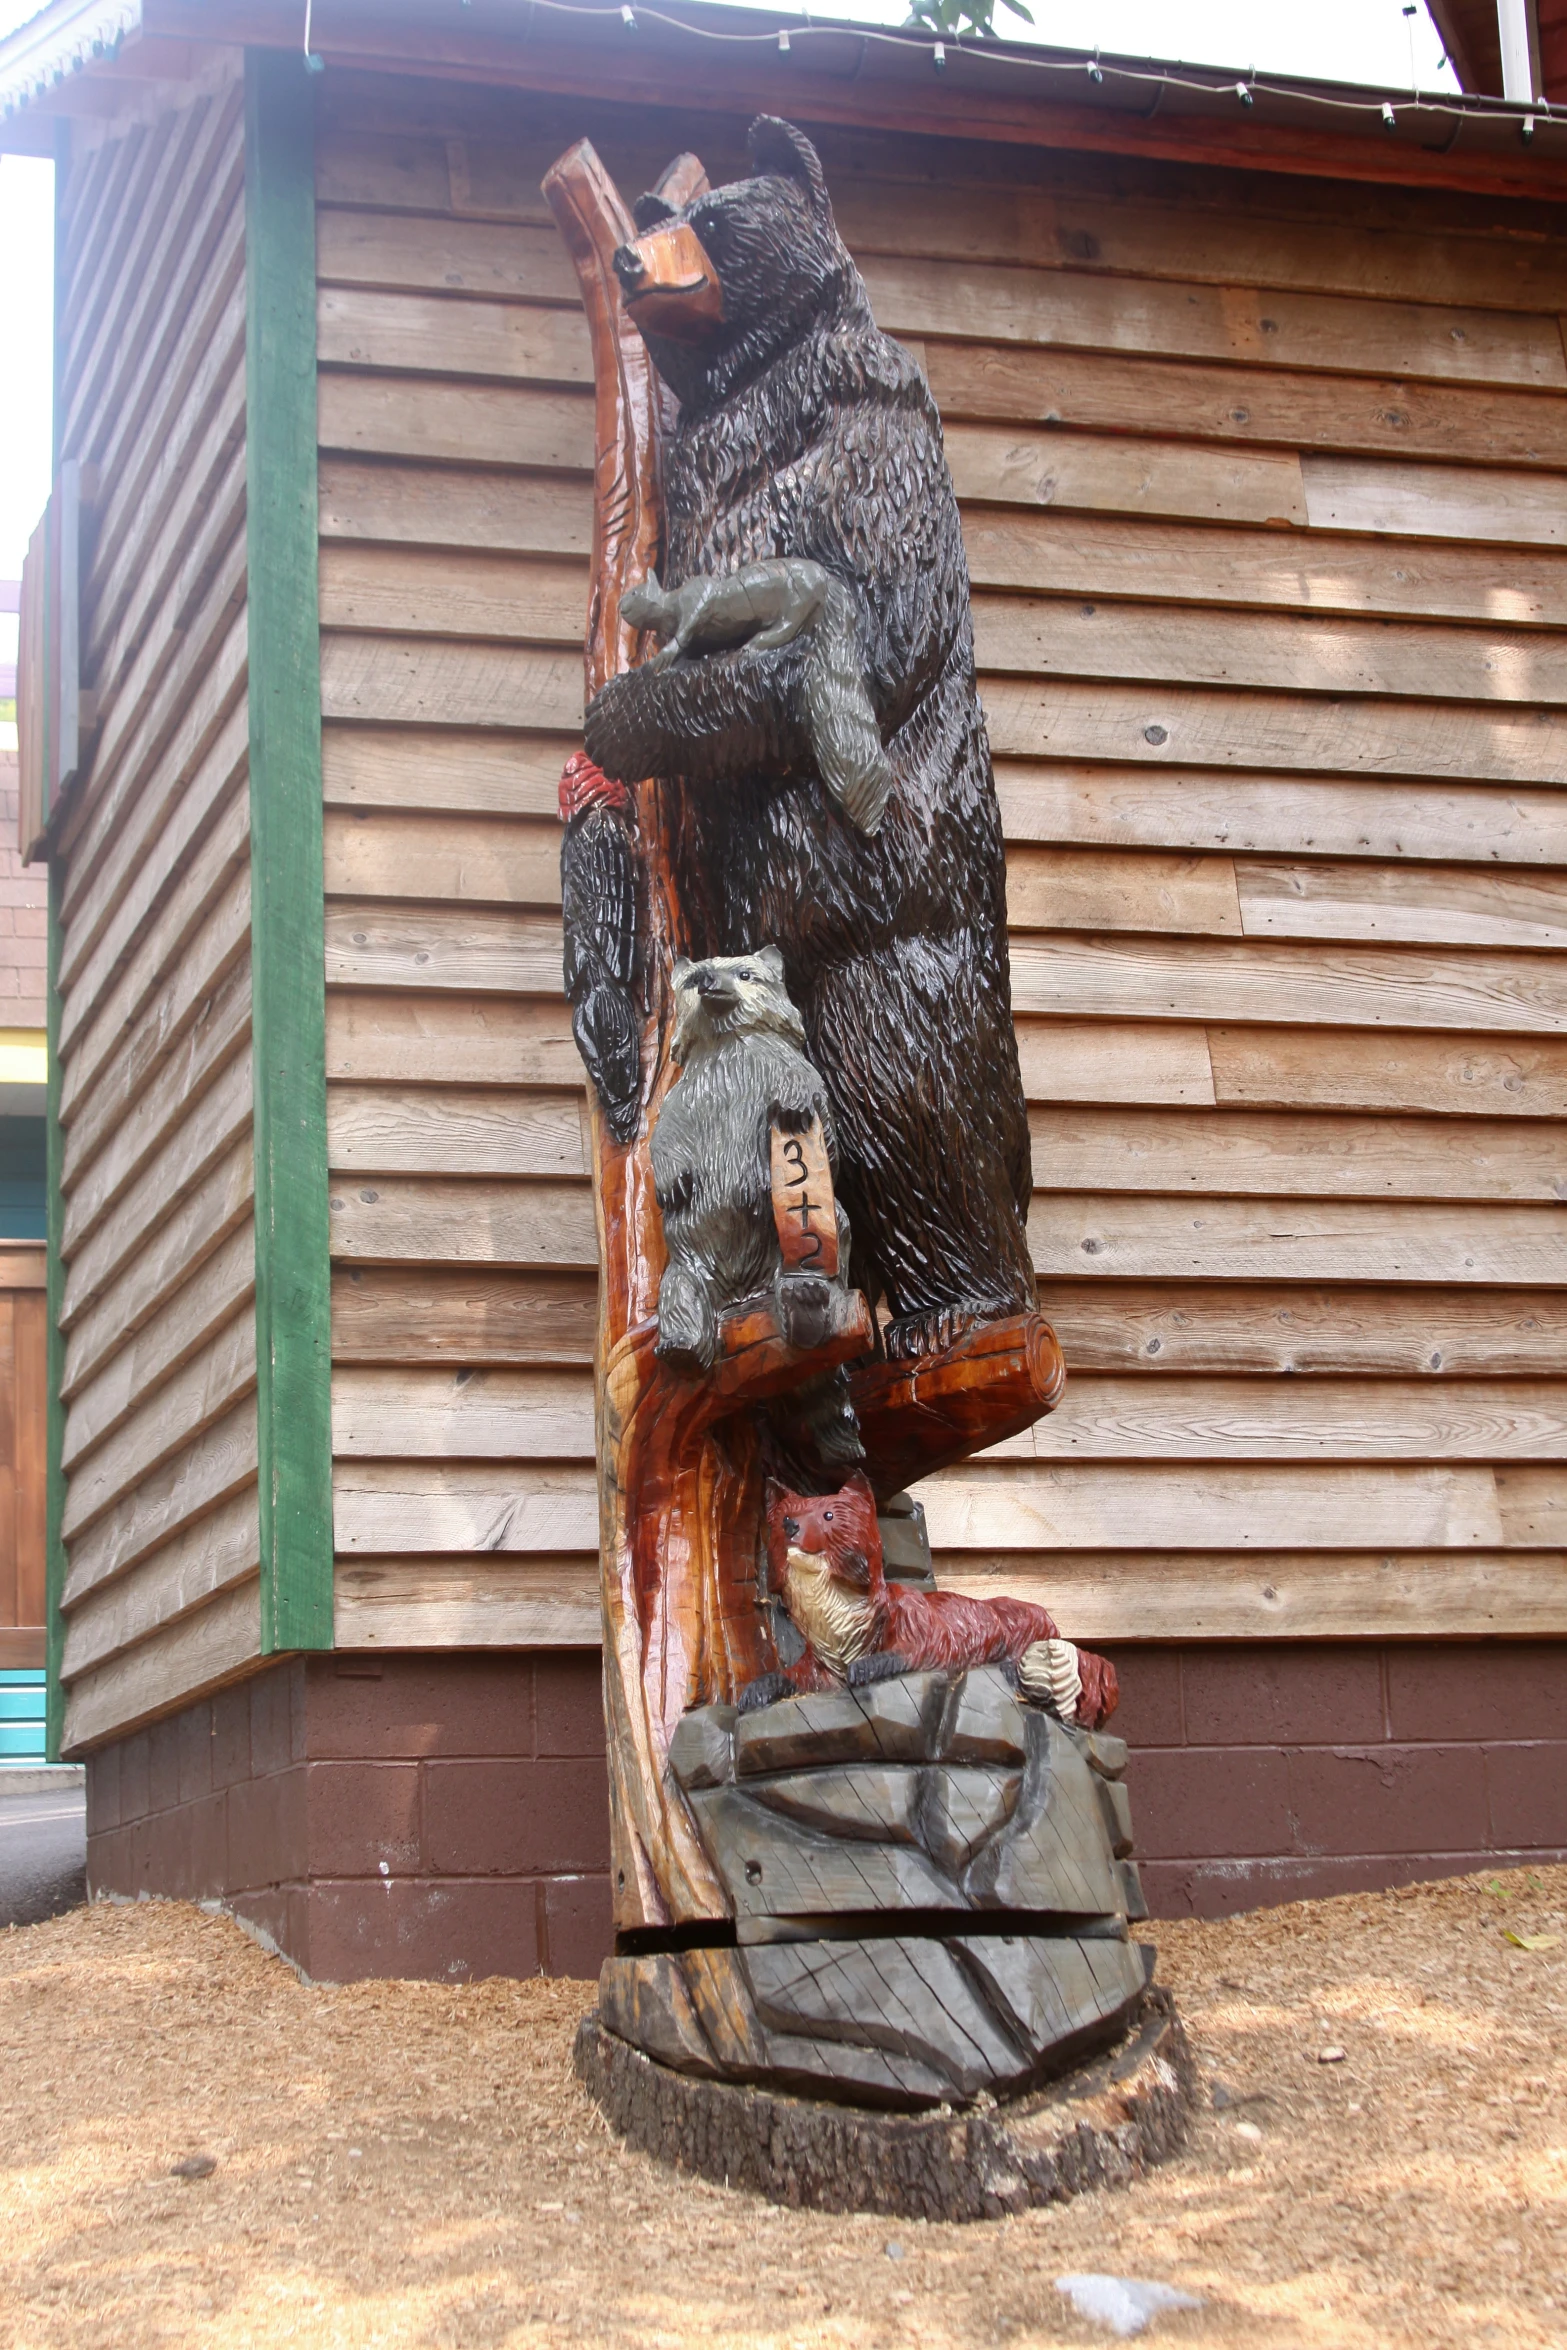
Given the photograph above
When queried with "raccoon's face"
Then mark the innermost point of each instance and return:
(732, 995)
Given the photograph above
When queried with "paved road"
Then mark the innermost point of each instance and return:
(43, 1855)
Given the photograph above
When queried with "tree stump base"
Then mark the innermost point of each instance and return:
(1100, 2125)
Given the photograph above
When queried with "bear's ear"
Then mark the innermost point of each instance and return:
(770, 959)
(778, 149)
(681, 973)
(651, 211)
(860, 1485)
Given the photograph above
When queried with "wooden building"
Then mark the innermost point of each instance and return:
(1258, 415)
(23, 1379)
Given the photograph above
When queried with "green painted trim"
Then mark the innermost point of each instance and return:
(287, 913)
(54, 1298)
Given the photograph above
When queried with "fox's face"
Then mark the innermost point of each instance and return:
(839, 1529)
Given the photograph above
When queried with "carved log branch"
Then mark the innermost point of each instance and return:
(679, 1510)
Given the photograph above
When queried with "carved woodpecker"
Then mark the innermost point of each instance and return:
(599, 891)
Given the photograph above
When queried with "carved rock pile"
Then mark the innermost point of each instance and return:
(932, 1889)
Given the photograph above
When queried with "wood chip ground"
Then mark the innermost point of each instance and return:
(407, 2164)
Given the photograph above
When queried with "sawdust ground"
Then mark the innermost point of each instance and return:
(408, 2164)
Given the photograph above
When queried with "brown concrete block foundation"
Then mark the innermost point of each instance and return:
(442, 1816)
(445, 1816)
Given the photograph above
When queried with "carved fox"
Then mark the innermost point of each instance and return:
(825, 1562)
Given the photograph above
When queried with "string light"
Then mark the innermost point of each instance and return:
(1019, 60)
(1244, 94)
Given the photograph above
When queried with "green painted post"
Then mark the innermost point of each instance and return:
(288, 945)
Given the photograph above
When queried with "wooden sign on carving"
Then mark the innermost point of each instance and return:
(803, 1206)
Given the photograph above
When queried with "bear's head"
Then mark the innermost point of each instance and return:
(731, 995)
(722, 284)
(839, 1528)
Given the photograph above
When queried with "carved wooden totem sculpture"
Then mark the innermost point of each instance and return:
(867, 1839)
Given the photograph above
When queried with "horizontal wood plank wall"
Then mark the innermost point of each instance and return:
(1263, 492)
(160, 1593)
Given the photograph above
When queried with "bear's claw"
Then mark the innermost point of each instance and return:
(767, 1689)
(886, 1665)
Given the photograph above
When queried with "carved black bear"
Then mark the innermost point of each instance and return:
(805, 432)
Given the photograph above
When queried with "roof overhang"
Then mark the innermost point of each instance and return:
(700, 57)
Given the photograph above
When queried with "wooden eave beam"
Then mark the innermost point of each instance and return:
(891, 87)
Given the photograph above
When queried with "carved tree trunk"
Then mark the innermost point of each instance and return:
(679, 1459)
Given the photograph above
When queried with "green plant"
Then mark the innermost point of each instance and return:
(952, 18)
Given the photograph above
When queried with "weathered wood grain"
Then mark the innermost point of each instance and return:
(405, 1039)
(1280, 1153)
(515, 599)
(109, 919)
(485, 774)
(213, 1555)
(1195, 645)
(214, 1644)
(464, 1414)
(505, 341)
(1112, 889)
(217, 1120)
(404, 1507)
(454, 421)
(1113, 1061)
(1090, 473)
(1435, 501)
(1418, 903)
(1109, 215)
(411, 680)
(1298, 1332)
(403, 1219)
(216, 1291)
(188, 1402)
(1325, 1419)
(181, 954)
(477, 860)
(371, 945)
(109, 1144)
(525, 261)
(1286, 1594)
(213, 1466)
(380, 503)
(1369, 415)
(1279, 814)
(456, 1131)
(463, 1602)
(1388, 1070)
(188, 1237)
(431, 1314)
(1291, 1506)
(1298, 571)
(1151, 1237)
(1534, 1507)
(1304, 986)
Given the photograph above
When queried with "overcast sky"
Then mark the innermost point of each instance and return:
(1368, 41)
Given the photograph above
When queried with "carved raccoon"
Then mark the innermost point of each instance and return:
(740, 1048)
